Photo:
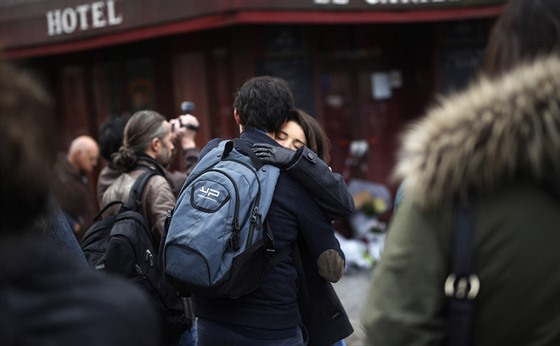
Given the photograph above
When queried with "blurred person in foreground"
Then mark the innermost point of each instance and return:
(45, 297)
(71, 186)
(496, 144)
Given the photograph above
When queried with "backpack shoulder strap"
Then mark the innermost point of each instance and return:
(135, 195)
(257, 162)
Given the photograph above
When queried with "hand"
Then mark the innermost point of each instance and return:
(189, 121)
(185, 128)
(277, 156)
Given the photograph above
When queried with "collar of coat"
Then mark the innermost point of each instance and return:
(494, 132)
(146, 161)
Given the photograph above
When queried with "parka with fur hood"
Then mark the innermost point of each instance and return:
(498, 143)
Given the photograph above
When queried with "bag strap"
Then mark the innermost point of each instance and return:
(462, 285)
(97, 216)
(135, 195)
(257, 162)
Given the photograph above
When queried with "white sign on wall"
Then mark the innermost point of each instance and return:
(381, 85)
(83, 17)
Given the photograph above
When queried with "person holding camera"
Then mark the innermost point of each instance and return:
(184, 129)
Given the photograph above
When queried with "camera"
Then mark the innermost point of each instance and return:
(187, 107)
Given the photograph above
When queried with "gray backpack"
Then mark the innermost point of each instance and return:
(218, 243)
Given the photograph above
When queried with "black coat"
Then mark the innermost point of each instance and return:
(49, 298)
(321, 312)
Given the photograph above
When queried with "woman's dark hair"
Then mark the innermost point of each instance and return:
(142, 127)
(526, 30)
(111, 133)
(315, 136)
(264, 103)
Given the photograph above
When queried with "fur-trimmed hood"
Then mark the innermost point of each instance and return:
(492, 133)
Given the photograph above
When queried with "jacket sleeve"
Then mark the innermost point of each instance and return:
(327, 188)
(318, 233)
(159, 200)
(405, 303)
(191, 158)
(178, 178)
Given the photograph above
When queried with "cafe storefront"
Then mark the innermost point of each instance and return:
(364, 68)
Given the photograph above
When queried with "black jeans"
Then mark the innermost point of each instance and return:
(211, 334)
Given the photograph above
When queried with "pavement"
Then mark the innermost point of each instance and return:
(352, 290)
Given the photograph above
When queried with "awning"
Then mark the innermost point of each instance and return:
(54, 27)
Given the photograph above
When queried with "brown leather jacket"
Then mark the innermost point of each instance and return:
(157, 198)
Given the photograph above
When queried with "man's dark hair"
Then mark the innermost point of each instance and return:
(111, 134)
(264, 103)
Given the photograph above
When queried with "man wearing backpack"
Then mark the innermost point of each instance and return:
(148, 146)
(269, 315)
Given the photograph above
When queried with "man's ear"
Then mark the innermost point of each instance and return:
(155, 144)
(236, 117)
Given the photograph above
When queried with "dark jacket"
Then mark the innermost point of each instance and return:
(47, 299)
(323, 315)
(499, 143)
(322, 312)
(327, 187)
(178, 177)
(55, 227)
(74, 194)
(273, 306)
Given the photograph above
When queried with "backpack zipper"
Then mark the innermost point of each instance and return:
(233, 243)
(255, 217)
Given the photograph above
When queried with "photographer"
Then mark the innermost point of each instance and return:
(184, 129)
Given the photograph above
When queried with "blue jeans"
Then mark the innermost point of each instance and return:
(211, 334)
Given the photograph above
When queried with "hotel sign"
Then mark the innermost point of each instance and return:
(83, 17)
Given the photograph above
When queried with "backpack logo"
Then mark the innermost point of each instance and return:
(209, 193)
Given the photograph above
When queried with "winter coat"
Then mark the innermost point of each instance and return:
(74, 194)
(497, 143)
(157, 198)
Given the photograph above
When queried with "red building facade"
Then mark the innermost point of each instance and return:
(364, 68)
